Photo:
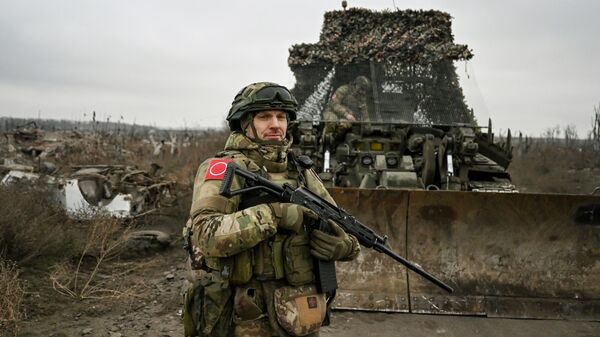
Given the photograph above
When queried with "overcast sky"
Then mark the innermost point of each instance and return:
(179, 63)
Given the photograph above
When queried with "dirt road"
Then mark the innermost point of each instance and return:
(155, 313)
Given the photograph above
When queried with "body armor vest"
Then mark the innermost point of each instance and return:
(284, 255)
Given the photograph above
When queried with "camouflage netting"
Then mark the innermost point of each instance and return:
(359, 35)
(408, 55)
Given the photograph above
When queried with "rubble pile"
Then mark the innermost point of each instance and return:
(125, 190)
(358, 35)
(67, 162)
(35, 148)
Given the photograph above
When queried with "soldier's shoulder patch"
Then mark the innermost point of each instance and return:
(216, 169)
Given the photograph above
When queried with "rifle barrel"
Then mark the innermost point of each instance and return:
(412, 266)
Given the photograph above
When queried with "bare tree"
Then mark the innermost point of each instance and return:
(595, 133)
(551, 134)
(570, 132)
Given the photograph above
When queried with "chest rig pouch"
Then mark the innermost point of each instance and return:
(286, 254)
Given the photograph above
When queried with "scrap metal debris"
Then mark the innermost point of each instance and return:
(28, 131)
(29, 154)
(123, 190)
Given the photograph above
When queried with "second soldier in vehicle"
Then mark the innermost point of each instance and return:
(348, 104)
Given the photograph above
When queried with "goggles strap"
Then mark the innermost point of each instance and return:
(249, 122)
(254, 133)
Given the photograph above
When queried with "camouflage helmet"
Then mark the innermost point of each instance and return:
(362, 83)
(259, 97)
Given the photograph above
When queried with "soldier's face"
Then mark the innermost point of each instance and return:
(269, 125)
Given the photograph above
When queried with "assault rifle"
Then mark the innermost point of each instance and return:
(325, 271)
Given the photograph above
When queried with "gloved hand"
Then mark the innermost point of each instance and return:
(331, 247)
(291, 216)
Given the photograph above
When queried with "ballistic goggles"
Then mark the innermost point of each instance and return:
(273, 93)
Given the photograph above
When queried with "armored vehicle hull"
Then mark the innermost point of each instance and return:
(386, 124)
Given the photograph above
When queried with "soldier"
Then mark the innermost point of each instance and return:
(257, 251)
(348, 103)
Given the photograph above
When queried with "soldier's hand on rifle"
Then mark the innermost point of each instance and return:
(291, 216)
(331, 247)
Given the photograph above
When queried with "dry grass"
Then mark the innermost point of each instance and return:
(551, 166)
(84, 256)
(32, 233)
(95, 274)
(11, 298)
(32, 226)
(98, 149)
(182, 167)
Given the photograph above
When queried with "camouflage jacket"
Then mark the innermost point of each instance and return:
(346, 100)
(237, 238)
(220, 229)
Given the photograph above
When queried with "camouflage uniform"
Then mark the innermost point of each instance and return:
(262, 270)
(347, 99)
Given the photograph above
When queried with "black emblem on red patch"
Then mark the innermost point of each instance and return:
(312, 302)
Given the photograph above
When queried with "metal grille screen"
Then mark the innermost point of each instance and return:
(422, 94)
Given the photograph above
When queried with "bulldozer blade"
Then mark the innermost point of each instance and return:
(374, 281)
(506, 255)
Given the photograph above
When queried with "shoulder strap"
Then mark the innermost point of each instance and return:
(229, 153)
(293, 160)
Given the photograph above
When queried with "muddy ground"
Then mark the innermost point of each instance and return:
(155, 310)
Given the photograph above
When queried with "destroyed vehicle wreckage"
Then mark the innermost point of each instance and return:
(123, 191)
(30, 154)
(119, 190)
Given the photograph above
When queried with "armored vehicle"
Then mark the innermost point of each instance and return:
(384, 119)
(382, 154)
